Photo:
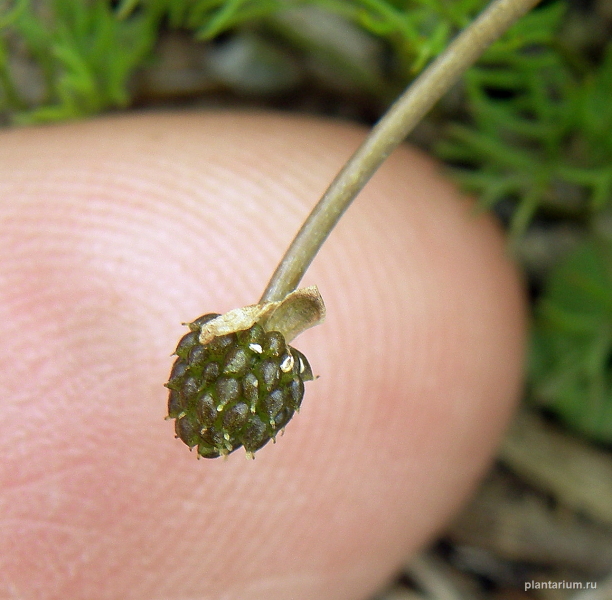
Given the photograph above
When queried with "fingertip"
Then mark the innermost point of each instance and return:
(121, 229)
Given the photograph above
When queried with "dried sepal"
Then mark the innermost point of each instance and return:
(297, 312)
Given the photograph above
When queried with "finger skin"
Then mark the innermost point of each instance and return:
(113, 233)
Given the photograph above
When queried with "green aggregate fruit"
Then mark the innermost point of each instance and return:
(238, 389)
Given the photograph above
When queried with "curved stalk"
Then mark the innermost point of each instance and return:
(404, 114)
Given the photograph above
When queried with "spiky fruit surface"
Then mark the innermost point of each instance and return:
(239, 389)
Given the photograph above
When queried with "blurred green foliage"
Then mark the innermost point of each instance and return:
(86, 50)
(537, 129)
(571, 362)
(82, 53)
(530, 126)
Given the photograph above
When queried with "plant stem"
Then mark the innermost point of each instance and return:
(403, 115)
